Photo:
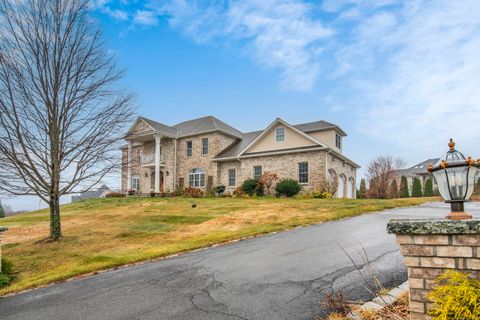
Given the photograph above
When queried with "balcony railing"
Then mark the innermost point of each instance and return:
(148, 159)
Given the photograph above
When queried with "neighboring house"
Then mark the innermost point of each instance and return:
(417, 171)
(96, 193)
(206, 152)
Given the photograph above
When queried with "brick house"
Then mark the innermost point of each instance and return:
(206, 152)
(419, 171)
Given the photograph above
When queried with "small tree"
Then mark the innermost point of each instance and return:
(393, 191)
(428, 189)
(404, 188)
(252, 187)
(417, 188)
(380, 173)
(362, 193)
(2, 211)
(477, 187)
(287, 188)
(267, 179)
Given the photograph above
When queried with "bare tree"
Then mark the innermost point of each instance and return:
(267, 179)
(330, 184)
(380, 174)
(60, 114)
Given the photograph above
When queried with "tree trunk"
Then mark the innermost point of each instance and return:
(55, 226)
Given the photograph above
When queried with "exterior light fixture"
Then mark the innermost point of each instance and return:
(455, 176)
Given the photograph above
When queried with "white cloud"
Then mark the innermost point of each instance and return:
(420, 86)
(116, 13)
(278, 34)
(145, 17)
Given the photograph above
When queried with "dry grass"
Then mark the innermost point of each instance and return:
(104, 233)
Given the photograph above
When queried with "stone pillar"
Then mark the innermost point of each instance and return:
(431, 247)
(158, 139)
(129, 166)
(2, 230)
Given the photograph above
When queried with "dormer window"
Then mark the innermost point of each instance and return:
(338, 141)
(280, 134)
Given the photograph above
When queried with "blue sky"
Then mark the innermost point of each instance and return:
(400, 77)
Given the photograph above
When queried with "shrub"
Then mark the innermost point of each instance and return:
(404, 188)
(456, 297)
(2, 211)
(252, 187)
(115, 195)
(417, 188)
(362, 193)
(476, 190)
(6, 274)
(287, 188)
(238, 192)
(192, 193)
(267, 179)
(428, 190)
(220, 189)
(318, 194)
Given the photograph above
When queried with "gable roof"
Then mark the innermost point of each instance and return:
(319, 126)
(278, 120)
(203, 125)
(160, 127)
(237, 146)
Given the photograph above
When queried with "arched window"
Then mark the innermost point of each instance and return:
(351, 188)
(341, 186)
(196, 178)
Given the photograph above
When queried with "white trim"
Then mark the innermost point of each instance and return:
(278, 120)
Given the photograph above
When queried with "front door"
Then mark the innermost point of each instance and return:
(152, 181)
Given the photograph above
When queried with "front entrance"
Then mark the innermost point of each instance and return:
(152, 181)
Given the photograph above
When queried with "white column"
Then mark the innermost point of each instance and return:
(158, 139)
(129, 166)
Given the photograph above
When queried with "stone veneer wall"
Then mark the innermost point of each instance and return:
(431, 247)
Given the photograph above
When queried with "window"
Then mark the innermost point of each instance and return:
(338, 141)
(196, 178)
(189, 148)
(136, 183)
(257, 172)
(232, 177)
(204, 146)
(303, 172)
(139, 156)
(280, 134)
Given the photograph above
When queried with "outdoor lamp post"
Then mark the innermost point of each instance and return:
(455, 176)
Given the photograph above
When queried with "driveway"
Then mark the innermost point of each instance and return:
(278, 276)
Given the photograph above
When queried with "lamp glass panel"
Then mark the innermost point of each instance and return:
(472, 173)
(457, 181)
(441, 178)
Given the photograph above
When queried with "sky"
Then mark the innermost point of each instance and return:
(400, 77)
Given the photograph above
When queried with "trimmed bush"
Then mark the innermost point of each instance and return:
(417, 188)
(362, 193)
(428, 190)
(404, 188)
(252, 187)
(115, 195)
(457, 296)
(287, 188)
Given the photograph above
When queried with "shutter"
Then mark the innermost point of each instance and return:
(181, 183)
(210, 183)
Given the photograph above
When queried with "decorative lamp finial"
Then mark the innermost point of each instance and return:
(451, 144)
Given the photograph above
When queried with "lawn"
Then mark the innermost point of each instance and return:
(104, 233)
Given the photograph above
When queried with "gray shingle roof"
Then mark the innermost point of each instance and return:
(205, 124)
(235, 148)
(317, 126)
(160, 127)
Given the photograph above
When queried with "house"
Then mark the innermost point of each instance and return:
(206, 152)
(96, 193)
(417, 171)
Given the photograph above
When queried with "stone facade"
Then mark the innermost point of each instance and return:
(175, 165)
(431, 247)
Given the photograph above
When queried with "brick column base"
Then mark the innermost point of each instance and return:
(431, 247)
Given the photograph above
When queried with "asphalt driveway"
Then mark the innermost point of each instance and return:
(278, 276)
